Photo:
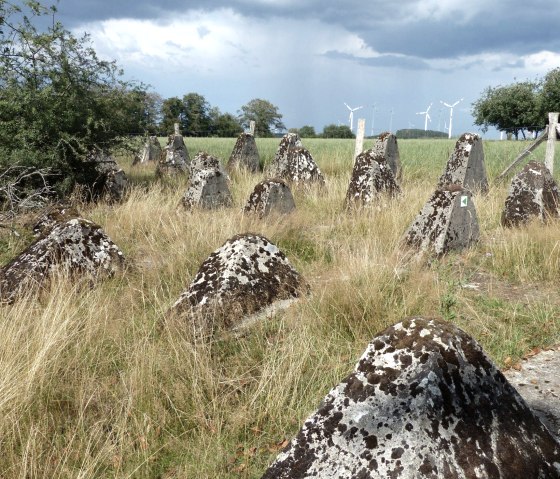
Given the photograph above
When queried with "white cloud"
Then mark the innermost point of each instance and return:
(542, 62)
(221, 40)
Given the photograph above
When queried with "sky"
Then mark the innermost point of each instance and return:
(310, 57)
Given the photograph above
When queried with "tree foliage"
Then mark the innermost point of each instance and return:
(265, 115)
(519, 106)
(196, 115)
(307, 131)
(550, 93)
(58, 100)
(340, 131)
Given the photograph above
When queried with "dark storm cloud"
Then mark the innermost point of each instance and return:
(388, 61)
(403, 27)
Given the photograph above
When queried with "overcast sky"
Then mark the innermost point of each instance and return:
(309, 57)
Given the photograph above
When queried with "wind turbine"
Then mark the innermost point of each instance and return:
(351, 118)
(427, 113)
(451, 112)
(391, 121)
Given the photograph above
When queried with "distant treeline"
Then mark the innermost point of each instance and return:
(413, 133)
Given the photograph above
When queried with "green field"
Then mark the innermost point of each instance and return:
(99, 382)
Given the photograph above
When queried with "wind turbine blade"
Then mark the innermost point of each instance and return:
(429, 108)
(428, 117)
(347, 106)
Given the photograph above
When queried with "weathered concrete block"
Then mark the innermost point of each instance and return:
(245, 154)
(270, 196)
(424, 401)
(371, 176)
(533, 194)
(111, 182)
(466, 165)
(387, 147)
(207, 189)
(297, 166)
(288, 141)
(52, 216)
(447, 222)
(205, 161)
(245, 275)
(76, 245)
(152, 151)
(176, 159)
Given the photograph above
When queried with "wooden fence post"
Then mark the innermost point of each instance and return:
(360, 137)
(552, 127)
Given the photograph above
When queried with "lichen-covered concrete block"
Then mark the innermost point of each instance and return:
(52, 216)
(205, 161)
(245, 154)
(246, 274)
(111, 182)
(447, 222)
(371, 176)
(533, 194)
(386, 146)
(152, 151)
(297, 166)
(207, 189)
(466, 165)
(288, 141)
(270, 196)
(77, 246)
(424, 401)
(176, 159)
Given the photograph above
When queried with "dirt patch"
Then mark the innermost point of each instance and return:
(538, 382)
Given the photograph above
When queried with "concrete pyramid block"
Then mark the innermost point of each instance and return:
(270, 196)
(288, 141)
(298, 166)
(208, 189)
(371, 176)
(387, 147)
(151, 152)
(424, 401)
(447, 222)
(245, 275)
(245, 154)
(205, 161)
(466, 165)
(77, 246)
(533, 194)
(176, 160)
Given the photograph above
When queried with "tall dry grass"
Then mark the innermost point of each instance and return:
(100, 382)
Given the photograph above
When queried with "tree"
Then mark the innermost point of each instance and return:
(334, 131)
(550, 94)
(172, 111)
(224, 125)
(265, 115)
(58, 100)
(196, 118)
(307, 132)
(510, 108)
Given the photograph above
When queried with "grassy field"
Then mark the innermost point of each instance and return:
(101, 383)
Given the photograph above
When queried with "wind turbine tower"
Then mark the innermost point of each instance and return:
(451, 112)
(351, 117)
(427, 117)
